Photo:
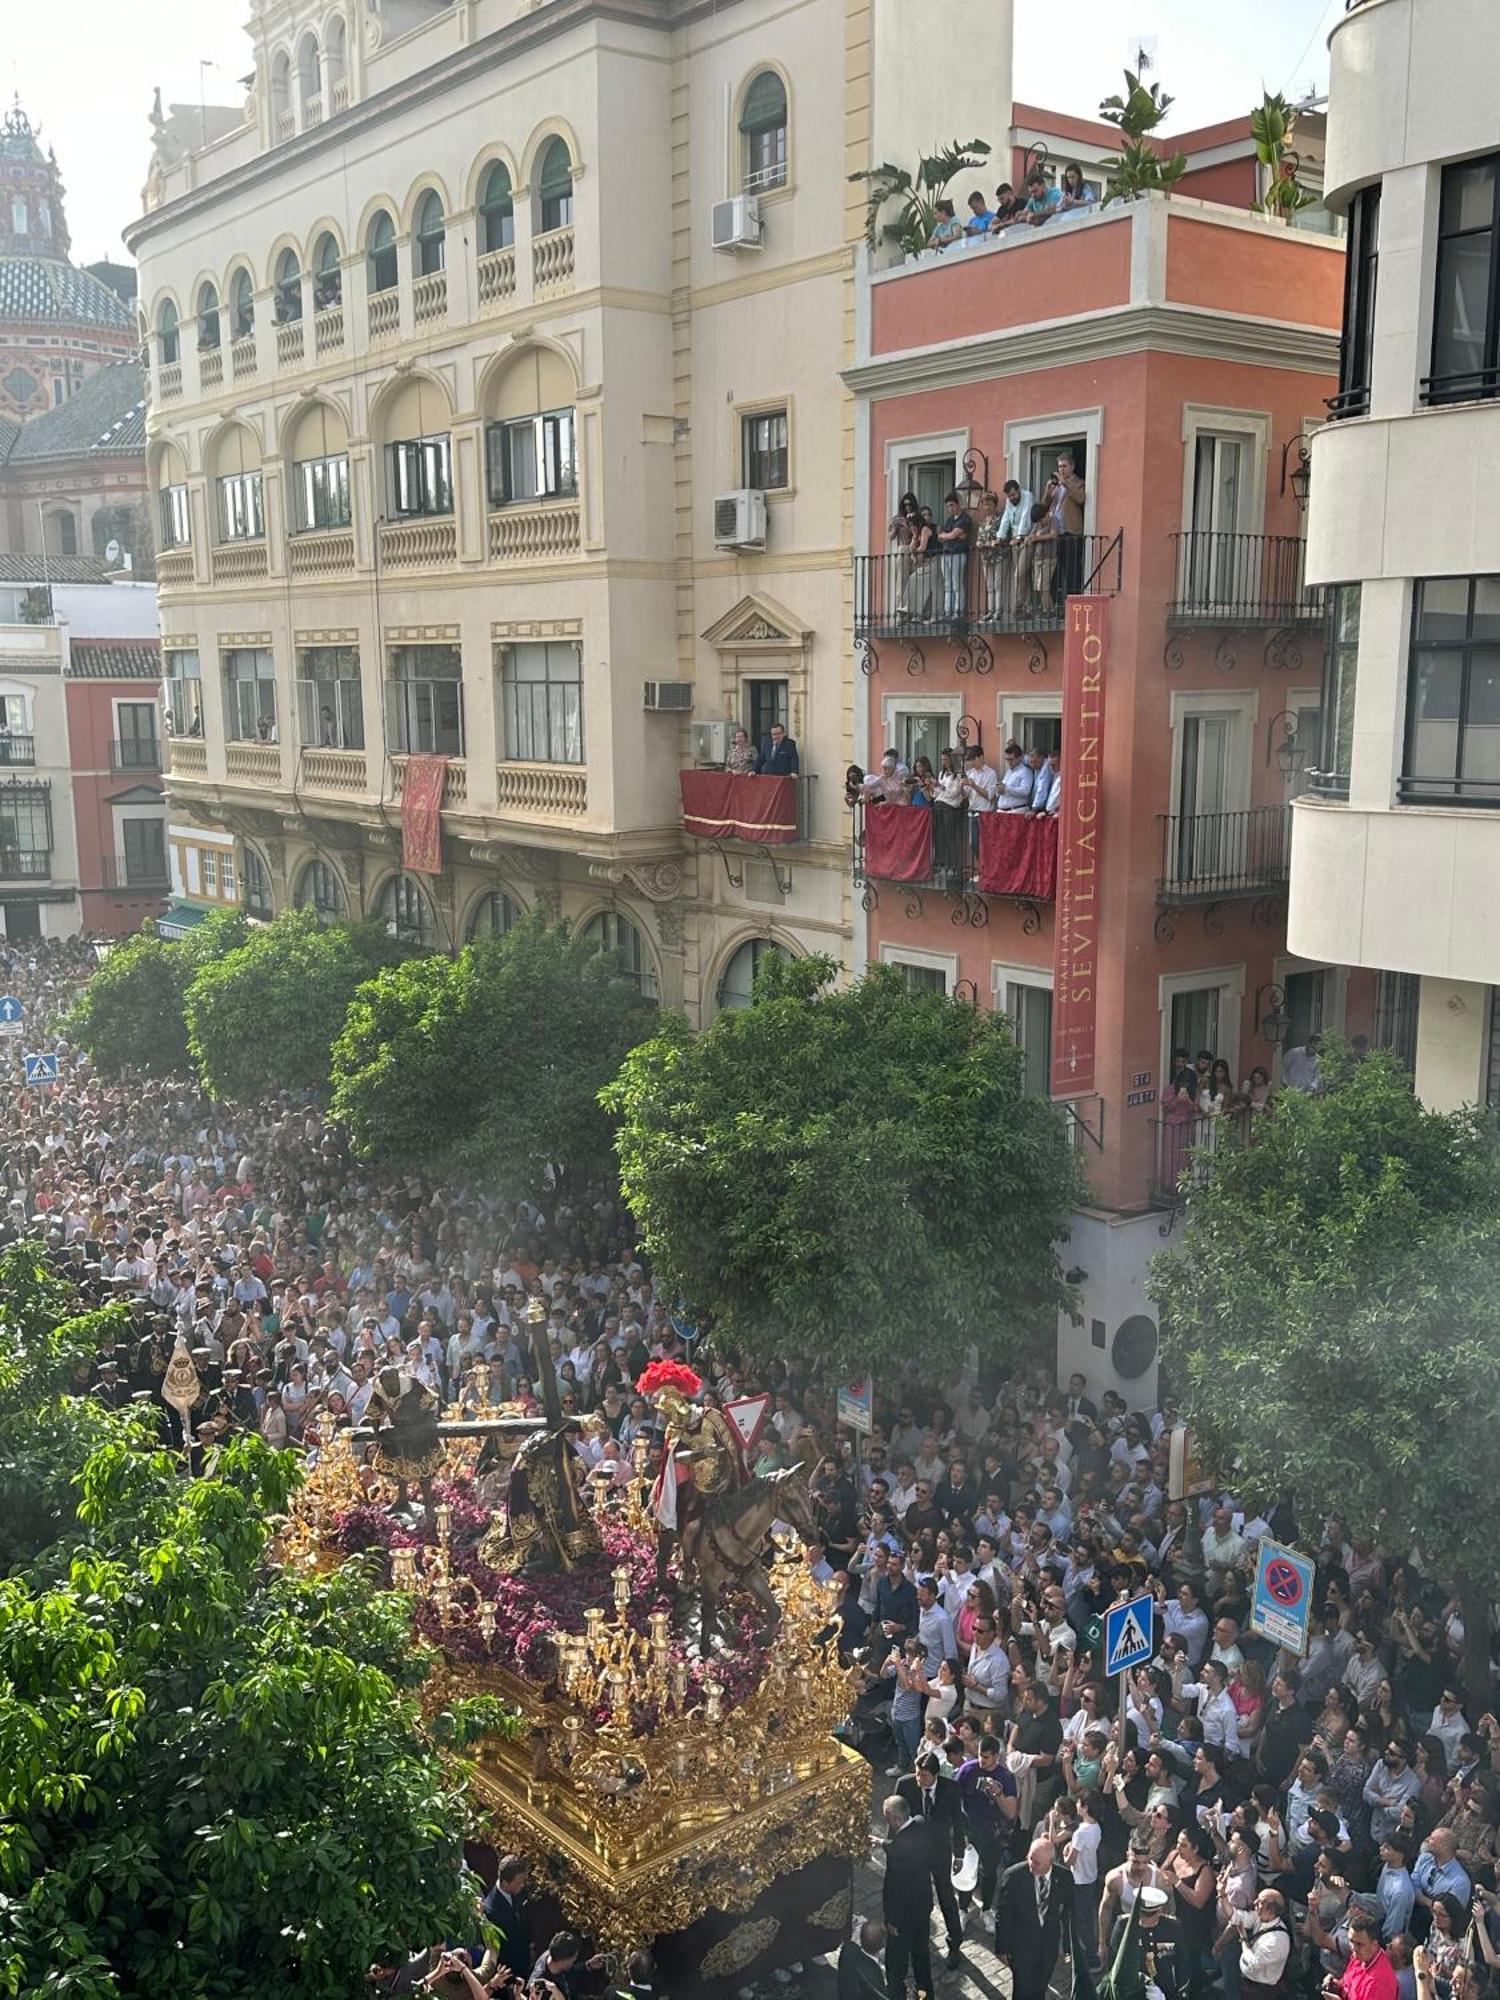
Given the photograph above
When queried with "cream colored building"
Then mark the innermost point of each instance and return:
(468, 437)
(1396, 859)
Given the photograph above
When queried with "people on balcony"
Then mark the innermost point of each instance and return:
(1256, 1091)
(947, 229)
(980, 217)
(743, 760)
(1016, 781)
(1042, 200)
(1009, 207)
(1299, 1067)
(886, 786)
(1064, 496)
(919, 788)
(955, 538)
(778, 754)
(914, 596)
(1041, 780)
(1073, 194)
(949, 806)
(1036, 564)
(1046, 796)
(981, 784)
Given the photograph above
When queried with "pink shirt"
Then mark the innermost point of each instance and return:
(1373, 1981)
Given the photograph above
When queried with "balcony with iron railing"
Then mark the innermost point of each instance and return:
(1183, 1147)
(134, 753)
(143, 873)
(1242, 581)
(911, 851)
(16, 749)
(1215, 857)
(1010, 588)
(25, 864)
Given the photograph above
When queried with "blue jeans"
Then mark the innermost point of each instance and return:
(955, 567)
(908, 1737)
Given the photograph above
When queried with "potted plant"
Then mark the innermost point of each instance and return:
(916, 195)
(1271, 126)
(1139, 167)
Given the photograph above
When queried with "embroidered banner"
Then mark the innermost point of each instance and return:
(716, 805)
(422, 815)
(1075, 970)
(898, 843)
(1018, 855)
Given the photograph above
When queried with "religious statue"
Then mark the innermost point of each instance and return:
(547, 1524)
(701, 1461)
(407, 1446)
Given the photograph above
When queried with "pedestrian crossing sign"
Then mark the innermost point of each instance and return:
(1127, 1634)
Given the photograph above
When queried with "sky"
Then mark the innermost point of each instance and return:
(86, 69)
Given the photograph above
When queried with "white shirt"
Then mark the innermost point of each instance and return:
(1217, 1713)
(1015, 519)
(986, 782)
(1082, 1853)
(1016, 788)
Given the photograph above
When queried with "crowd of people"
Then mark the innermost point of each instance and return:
(1301, 1819)
(1040, 201)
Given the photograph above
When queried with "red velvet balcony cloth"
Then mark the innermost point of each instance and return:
(718, 806)
(898, 843)
(1018, 856)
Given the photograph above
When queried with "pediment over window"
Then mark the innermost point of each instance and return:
(756, 624)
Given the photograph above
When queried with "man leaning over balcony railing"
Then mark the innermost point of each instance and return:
(1011, 530)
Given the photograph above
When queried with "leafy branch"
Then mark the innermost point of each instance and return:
(917, 195)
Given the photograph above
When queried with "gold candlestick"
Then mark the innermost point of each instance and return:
(593, 1634)
(487, 1622)
(713, 1702)
(680, 1683)
(444, 1515)
(619, 1695)
(621, 1578)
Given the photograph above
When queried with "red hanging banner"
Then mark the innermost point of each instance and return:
(1017, 855)
(898, 843)
(422, 814)
(1075, 972)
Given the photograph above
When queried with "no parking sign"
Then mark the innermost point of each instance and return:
(1281, 1603)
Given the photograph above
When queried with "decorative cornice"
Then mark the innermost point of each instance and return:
(1096, 336)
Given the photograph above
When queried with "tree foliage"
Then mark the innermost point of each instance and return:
(131, 1016)
(491, 1062)
(1272, 123)
(853, 1173)
(1140, 167)
(910, 222)
(1335, 1312)
(211, 1776)
(268, 1014)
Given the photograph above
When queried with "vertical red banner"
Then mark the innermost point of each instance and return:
(1075, 971)
(422, 815)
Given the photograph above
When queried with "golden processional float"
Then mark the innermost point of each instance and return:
(701, 1806)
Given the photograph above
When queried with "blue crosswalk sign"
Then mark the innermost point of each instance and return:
(43, 1068)
(11, 1011)
(1127, 1635)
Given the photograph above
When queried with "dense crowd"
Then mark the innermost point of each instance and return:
(1328, 1818)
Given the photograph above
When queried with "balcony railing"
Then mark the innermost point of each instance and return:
(25, 864)
(174, 568)
(17, 750)
(552, 260)
(1225, 579)
(242, 357)
(1009, 588)
(429, 298)
(327, 554)
(260, 763)
(1183, 1148)
(289, 343)
(1207, 857)
(535, 534)
(145, 872)
(1008, 856)
(210, 367)
(418, 544)
(328, 330)
(334, 771)
(558, 791)
(385, 315)
(234, 562)
(187, 756)
(134, 754)
(455, 779)
(763, 811)
(169, 380)
(496, 271)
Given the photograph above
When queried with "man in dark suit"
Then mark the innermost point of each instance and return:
(935, 1802)
(906, 1897)
(860, 1974)
(778, 754)
(1034, 1920)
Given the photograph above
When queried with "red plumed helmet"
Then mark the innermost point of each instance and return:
(668, 1375)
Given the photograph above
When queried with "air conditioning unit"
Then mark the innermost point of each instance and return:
(740, 519)
(710, 742)
(669, 695)
(736, 223)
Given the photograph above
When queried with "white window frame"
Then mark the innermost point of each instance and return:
(1013, 707)
(950, 707)
(1230, 981)
(900, 451)
(945, 962)
(1336, 989)
(1004, 975)
(1253, 424)
(1057, 427)
(1245, 709)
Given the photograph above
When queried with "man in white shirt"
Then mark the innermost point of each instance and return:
(1184, 1618)
(1016, 781)
(1223, 1549)
(986, 1675)
(1221, 1723)
(1265, 1942)
(1299, 1067)
(981, 781)
(1053, 775)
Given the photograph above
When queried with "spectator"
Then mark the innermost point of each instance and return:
(1074, 196)
(1016, 781)
(1042, 200)
(980, 217)
(954, 538)
(778, 754)
(947, 229)
(742, 761)
(1299, 1067)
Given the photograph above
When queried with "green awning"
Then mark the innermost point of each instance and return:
(178, 918)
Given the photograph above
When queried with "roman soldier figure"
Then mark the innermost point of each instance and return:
(701, 1459)
(408, 1448)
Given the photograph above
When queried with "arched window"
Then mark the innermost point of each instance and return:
(429, 234)
(328, 278)
(241, 306)
(309, 83)
(167, 333)
(281, 94)
(497, 210)
(493, 916)
(380, 245)
(763, 132)
(406, 913)
(619, 937)
(208, 317)
(288, 288)
(319, 889)
(255, 885)
(737, 987)
(554, 186)
(65, 526)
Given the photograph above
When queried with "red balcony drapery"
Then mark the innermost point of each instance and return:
(716, 805)
(1018, 856)
(898, 843)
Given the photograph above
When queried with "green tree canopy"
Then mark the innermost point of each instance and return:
(492, 1061)
(853, 1173)
(130, 1016)
(1334, 1311)
(212, 1779)
(267, 1015)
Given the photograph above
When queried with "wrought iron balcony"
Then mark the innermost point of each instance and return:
(134, 753)
(145, 874)
(1213, 857)
(1183, 1149)
(1243, 580)
(1006, 588)
(17, 750)
(25, 864)
(911, 850)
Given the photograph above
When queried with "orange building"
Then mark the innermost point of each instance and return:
(1180, 352)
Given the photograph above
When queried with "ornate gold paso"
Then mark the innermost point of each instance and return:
(837, 1914)
(744, 1944)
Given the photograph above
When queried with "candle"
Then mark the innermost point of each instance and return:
(622, 1589)
(444, 1520)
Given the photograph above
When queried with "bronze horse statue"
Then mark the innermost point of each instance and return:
(728, 1539)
